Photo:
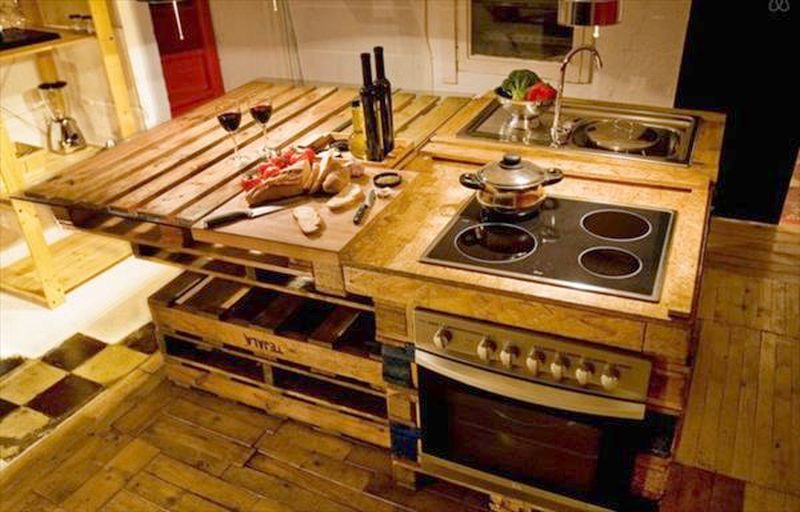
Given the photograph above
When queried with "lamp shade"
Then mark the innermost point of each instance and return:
(589, 13)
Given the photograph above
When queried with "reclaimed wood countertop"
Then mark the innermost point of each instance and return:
(395, 242)
(156, 188)
(384, 261)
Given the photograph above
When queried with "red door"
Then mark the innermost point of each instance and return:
(190, 65)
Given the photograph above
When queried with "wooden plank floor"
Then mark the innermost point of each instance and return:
(743, 419)
(168, 448)
(152, 446)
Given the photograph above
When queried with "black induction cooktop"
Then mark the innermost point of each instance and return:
(618, 250)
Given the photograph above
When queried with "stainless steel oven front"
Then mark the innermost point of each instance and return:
(552, 421)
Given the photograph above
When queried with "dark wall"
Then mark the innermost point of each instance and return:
(743, 58)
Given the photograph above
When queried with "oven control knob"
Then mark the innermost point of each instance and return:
(558, 366)
(609, 379)
(486, 349)
(508, 356)
(533, 361)
(441, 338)
(583, 372)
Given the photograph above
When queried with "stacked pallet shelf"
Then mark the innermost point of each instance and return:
(261, 314)
(292, 355)
(54, 269)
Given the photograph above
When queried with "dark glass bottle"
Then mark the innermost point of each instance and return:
(367, 93)
(383, 96)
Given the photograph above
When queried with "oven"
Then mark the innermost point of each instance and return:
(551, 421)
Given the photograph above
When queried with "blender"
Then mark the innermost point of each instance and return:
(63, 134)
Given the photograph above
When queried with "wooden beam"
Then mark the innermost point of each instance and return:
(29, 222)
(113, 63)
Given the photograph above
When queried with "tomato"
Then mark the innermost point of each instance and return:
(268, 170)
(309, 155)
(540, 92)
(250, 182)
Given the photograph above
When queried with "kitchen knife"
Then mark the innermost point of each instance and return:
(363, 207)
(229, 217)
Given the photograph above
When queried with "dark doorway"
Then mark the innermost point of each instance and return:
(190, 64)
(740, 58)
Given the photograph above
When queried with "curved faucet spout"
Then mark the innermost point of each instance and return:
(598, 61)
(556, 134)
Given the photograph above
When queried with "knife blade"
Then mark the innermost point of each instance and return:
(363, 207)
(222, 219)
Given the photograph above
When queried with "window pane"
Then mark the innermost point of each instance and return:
(524, 29)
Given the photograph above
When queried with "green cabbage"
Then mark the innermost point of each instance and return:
(518, 82)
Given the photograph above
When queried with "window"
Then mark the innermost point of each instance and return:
(495, 37)
(522, 29)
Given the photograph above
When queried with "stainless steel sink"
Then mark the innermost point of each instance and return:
(662, 137)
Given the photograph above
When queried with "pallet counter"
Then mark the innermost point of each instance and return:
(260, 315)
(320, 329)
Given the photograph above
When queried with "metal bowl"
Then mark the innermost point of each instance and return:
(521, 109)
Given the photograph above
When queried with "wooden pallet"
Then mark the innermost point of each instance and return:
(157, 187)
(178, 172)
(291, 354)
(286, 275)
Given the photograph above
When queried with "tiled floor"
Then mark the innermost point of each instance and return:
(38, 394)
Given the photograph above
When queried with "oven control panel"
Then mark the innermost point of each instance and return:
(534, 356)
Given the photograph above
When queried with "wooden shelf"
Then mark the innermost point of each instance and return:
(77, 258)
(52, 270)
(67, 37)
(39, 164)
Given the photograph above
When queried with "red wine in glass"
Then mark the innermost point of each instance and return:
(261, 113)
(230, 118)
(230, 121)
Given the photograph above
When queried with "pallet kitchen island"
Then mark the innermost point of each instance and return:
(321, 330)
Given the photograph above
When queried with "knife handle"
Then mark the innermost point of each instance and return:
(359, 216)
(226, 218)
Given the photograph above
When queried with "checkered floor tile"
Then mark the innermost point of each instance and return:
(36, 395)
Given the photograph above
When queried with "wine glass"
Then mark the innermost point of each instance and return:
(261, 112)
(230, 118)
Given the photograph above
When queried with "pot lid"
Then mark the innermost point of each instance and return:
(512, 173)
(622, 135)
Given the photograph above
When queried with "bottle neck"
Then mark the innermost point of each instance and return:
(380, 72)
(366, 70)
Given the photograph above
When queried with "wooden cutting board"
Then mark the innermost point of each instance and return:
(278, 233)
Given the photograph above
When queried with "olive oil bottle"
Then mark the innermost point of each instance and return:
(357, 141)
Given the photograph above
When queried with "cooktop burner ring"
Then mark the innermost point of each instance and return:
(625, 260)
(528, 243)
(640, 230)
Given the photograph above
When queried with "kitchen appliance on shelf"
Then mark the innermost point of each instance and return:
(13, 28)
(548, 420)
(625, 133)
(63, 134)
(606, 248)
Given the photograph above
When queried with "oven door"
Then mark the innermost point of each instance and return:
(524, 439)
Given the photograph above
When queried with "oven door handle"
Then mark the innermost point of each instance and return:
(531, 392)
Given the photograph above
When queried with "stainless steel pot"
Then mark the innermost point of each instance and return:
(511, 186)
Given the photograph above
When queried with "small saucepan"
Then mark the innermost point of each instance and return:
(512, 186)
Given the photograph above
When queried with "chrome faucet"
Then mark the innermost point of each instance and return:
(556, 132)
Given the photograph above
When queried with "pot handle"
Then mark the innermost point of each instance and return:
(553, 175)
(469, 180)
